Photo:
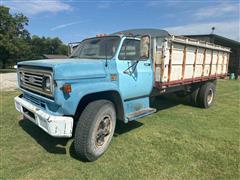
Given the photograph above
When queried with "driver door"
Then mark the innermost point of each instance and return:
(135, 76)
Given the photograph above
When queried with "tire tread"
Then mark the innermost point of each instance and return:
(83, 128)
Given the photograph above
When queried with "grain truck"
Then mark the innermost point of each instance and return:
(112, 77)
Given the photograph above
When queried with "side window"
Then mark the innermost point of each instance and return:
(130, 50)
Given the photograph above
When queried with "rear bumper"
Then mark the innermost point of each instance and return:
(57, 126)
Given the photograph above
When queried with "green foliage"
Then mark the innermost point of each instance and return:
(12, 35)
(16, 44)
(44, 45)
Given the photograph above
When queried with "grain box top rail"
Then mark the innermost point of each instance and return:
(198, 43)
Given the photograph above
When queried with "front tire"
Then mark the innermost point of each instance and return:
(95, 129)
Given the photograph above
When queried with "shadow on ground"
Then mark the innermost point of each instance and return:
(51, 144)
(169, 100)
(58, 145)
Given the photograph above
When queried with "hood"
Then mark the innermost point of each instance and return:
(71, 68)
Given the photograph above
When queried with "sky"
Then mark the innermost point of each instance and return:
(74, 20)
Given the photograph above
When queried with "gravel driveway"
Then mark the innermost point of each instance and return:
(8, 81)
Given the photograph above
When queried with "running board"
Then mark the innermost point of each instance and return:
(139, 114)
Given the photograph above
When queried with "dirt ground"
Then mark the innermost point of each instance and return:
(8, 81)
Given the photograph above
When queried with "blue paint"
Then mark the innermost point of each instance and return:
(139, 83)
(88, 76)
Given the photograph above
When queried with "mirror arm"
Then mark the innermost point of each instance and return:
(127, 71)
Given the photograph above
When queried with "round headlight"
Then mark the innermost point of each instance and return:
(21, 76)
(47, 84)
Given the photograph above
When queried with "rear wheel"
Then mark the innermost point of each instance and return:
(95, 129)
(206, 95)
(194, 97)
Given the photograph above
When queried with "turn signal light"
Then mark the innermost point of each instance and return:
(67, 88)
(101, 35)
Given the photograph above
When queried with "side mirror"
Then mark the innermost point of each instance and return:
(69, 50)
(145, 47)
(72, 47)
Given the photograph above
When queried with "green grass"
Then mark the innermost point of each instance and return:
(7, 70)
(177, 142)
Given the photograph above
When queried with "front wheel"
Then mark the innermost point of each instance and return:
(95, 129)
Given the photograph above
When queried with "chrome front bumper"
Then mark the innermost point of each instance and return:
(57, 126)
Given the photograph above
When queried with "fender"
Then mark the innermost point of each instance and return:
(69, 103)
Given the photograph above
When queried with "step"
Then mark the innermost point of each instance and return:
(139, 114)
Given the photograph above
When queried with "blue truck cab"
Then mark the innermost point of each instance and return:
(105, 79)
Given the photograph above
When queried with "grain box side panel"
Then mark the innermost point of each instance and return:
(190, 55)
(176, 73)
(220, 61)
(206, 70)
(214, 62)
(200, 56)
(177, 54)
(208, 57)
(188, 71)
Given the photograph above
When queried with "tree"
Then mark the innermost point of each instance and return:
(13, 36)
(40, 46)
(16, 44)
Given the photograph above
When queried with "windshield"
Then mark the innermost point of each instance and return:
(97, 48)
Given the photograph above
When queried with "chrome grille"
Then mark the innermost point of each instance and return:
(33, 79)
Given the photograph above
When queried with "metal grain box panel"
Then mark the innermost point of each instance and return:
(177, 73)
(213, 69)
(190, 54)
(177, 54)
(200, 56)
(180, 60)
(188, 71)
(206, 70)
(208, 56)
(215, 57)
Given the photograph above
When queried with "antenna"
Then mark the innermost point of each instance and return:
(213, 28)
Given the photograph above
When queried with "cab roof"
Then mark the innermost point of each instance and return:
(152, 32)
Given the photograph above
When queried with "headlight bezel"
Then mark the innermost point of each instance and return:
(47, 83)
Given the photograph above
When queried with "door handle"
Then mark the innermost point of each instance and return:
(147, 64)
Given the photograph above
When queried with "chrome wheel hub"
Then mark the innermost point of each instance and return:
(210, 96)
(103, 131)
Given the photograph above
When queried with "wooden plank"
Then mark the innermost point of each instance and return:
(154, 58)
(162, 64)
(228, 56)
(170, 63)
(211, 63)
(184, 61)
(198, 43)
(223, 58)
(154, 65)
(217, 62)
(195, 61)
(204, 60)
(189, 81)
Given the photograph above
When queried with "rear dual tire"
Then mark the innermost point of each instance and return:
(206, 95)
